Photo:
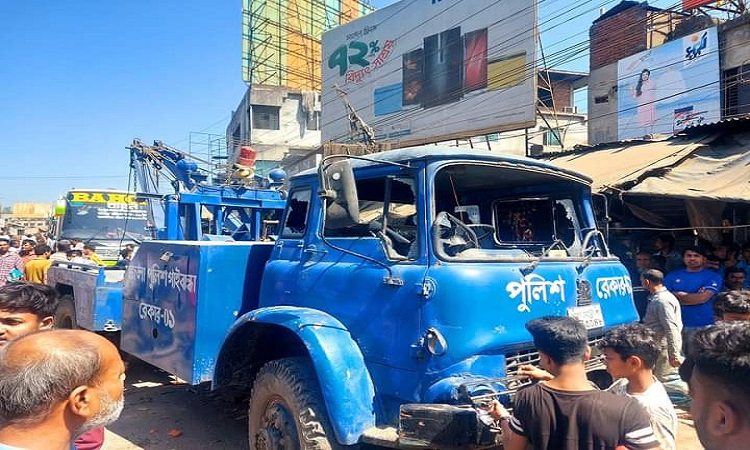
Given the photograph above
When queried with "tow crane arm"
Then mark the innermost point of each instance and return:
(195, 209)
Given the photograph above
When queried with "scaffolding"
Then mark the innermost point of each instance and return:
(281, 39)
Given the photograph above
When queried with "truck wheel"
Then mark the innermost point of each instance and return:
(65, 314)
(286, 409)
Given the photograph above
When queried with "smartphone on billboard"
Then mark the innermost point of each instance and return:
(475, 60)
(412, 64)
(443, 68)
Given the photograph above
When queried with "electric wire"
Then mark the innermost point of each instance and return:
(476, 117)
(566, 54)
(583, 48)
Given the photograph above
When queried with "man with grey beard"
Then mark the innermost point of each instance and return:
(56, 385)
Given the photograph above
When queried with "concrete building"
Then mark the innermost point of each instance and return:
(279, 114)
(25, 218)
(274, 121)
(283, 125)
(632, 27)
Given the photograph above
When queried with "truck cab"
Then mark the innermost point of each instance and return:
(393, 302)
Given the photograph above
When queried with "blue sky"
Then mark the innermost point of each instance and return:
(82, 78)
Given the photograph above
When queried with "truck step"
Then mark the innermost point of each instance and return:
(383, 437)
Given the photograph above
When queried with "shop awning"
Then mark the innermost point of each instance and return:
(615, 168)
(720, 171)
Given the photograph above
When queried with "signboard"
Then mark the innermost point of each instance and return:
(103, 215)
(692, 4)
(97, 205)
(424, 71)
(667, 88)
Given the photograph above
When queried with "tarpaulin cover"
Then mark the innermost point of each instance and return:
(611, 168)
(720, 171)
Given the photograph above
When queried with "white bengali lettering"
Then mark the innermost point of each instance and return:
(610, 286)
(136, 274)
(535, 288)
(171, 278)
(156, 314)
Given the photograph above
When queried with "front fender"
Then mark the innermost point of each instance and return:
(345, 383)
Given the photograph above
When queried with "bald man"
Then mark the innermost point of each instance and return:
(56, 385)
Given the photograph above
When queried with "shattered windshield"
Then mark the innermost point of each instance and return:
(496, 212)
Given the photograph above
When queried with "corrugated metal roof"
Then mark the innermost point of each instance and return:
(728, 124)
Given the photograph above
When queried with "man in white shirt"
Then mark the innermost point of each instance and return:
(630, 353)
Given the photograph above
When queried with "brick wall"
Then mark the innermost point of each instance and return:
(618, 36)
(561, 94)
(562, 91)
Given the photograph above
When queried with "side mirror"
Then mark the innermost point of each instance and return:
(340, 190)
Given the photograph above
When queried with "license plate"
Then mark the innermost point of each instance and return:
(590, 315)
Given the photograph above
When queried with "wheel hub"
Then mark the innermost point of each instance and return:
(277, 429)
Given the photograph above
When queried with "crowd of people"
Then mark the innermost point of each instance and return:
(29, 257)
(58, 388)
(565, 411)
(727, 265)
(685, 291)
(694, 334)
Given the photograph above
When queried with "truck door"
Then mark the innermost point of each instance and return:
(281, 275)
(369, 274)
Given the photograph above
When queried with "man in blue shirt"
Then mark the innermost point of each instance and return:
(695, 287)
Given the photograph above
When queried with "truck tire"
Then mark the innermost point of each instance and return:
(286, 410)
(65, 314)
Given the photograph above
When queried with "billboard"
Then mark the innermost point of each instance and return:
(425, 71)
(30, 210)
(281, 39)
(667, 88)
(692, 4)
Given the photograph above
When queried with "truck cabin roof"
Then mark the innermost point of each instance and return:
(436, 153)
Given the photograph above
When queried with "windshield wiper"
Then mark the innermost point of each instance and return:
(530, 268)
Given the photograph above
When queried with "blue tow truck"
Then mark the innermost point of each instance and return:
(181, 204)
(392, 303)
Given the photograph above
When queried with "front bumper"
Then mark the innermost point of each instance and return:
(439, 426)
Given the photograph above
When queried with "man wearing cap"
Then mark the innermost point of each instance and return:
(695, 287)
(10, 263)
(27, 249)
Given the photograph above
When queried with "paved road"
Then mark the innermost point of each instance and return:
(162, 415)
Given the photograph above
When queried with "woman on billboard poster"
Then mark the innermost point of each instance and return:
(644, 93)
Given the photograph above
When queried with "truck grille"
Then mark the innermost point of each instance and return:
(531, 356)
(583, 292)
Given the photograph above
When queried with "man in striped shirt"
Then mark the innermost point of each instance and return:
(567, 412)
(9, 261)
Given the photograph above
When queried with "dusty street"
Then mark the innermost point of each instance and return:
(162, 415)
